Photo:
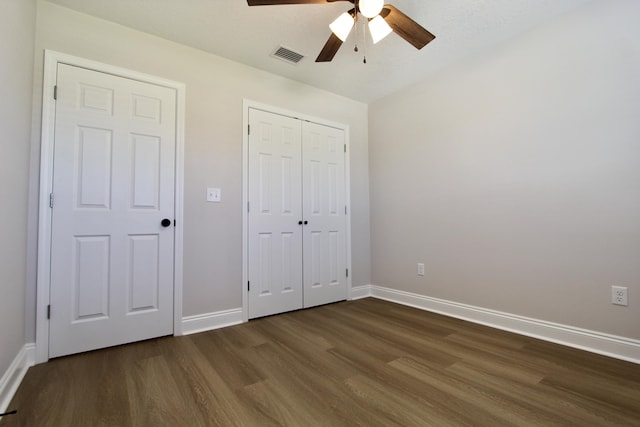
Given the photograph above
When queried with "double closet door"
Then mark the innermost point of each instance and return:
(297, 244)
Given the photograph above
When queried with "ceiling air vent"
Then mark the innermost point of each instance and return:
(287, 55)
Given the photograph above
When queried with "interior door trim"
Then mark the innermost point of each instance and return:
(248, 104)
(51, 61)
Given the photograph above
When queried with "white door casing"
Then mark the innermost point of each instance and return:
(115, 171)
(275, 190)
(296, 230)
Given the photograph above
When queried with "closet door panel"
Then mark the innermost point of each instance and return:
(324, 201)
(275, 208)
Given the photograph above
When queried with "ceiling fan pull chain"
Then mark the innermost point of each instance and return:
(355, 38)
(364, 43)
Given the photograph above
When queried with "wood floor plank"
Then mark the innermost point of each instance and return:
(155, 399)
(506, 359)
(204, 388)
(483, 405)
(357, 363)
(220, 351)
(577, 360)
(307, 396)
(396, 408)
(572, 410)
(622, 398)
(396, 341)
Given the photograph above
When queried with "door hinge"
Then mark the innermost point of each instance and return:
(55, 92)
(347, 272)
(248, 207)
(51, 200)
(345, 209)
(49, 311)
(248, 286)
(248, 129)
(345, 148)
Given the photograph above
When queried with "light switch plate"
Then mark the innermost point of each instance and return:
(214, 195)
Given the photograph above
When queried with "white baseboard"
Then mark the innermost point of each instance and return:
(358, 292)
(209, 321)
(596, 342)
(12, 378)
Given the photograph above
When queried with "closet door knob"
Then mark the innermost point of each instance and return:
(306, 222)
(165, 222)
(299, 222)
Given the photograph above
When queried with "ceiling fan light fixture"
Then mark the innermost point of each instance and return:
(379, 29)
(370, 8)
(342, 26)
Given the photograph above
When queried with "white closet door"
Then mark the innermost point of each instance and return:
(324, 240)
(113, 184)
(274, 232)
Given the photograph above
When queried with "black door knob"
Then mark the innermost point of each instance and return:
(306, 222)
(165, 222)
(299, 222)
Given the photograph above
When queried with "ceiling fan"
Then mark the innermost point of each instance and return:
(383, 19)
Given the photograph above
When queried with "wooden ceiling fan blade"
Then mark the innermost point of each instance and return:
(277, 2)
(406, 27)
(330, 49)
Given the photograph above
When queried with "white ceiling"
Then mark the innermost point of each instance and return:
(249, 35)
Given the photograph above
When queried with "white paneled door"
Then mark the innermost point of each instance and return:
(324, 213)
(113, 212)
(275, 214)
(296, 221)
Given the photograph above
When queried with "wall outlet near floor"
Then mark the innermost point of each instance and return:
(420, 269)
(214, 195)
(619, 295)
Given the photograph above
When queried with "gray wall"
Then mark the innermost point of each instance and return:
(17, 29)
(213, 148)
(515, 175)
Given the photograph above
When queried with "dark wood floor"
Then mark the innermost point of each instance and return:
(365, 362)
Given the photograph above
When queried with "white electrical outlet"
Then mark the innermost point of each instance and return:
(619, 295)
(214, 195)
(420, 269)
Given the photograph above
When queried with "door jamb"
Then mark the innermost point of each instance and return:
(249, 104)
(51, 61)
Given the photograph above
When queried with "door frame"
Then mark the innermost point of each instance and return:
(43, 282)
(248, 104)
